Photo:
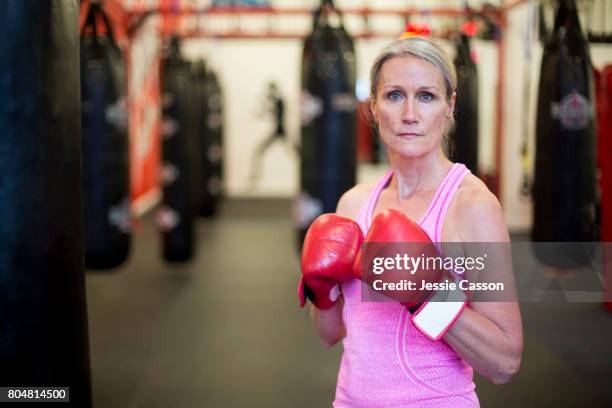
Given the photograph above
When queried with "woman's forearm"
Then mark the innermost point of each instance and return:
(328, 323)
(491, 351)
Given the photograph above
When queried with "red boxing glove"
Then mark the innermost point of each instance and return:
(330, 247)
(392, 242)
(434, 312)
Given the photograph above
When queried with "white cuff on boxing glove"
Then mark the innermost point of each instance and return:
(439, 312)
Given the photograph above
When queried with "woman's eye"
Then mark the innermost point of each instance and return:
(426, 96)
(394, 95)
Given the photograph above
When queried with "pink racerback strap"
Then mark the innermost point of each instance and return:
(433, 220)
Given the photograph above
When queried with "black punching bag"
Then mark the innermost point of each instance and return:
(210, 138)
(565, 164)
(328, 133)
(106, 176)
(43, 315)
(465, 134)
(176, 215)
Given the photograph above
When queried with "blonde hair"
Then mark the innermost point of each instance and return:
(429, 50)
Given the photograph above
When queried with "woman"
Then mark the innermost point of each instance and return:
(387, 362)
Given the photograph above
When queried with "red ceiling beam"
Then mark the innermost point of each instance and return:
(270, 11)
(244, 35)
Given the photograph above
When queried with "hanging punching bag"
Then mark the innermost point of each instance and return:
(105, 147)
(465, 134)
(43, 313)
(328, 153)
(565, 164)
(211, 139)
(176, 215)
(194, 112)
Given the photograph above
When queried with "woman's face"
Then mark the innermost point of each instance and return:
(410, 106)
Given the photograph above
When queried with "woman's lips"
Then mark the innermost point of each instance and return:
(409, 134)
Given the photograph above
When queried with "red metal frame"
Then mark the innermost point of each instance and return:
(366, 11)
(499, 113)
(267, 35)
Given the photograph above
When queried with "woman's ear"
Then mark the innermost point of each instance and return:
(372, 107)
(451, 104)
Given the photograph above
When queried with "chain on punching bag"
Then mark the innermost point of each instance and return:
(565, 164)
(105, 148)
(210, 101)
(328, 115)
(43, 314)
(177, 213)
(465, 134)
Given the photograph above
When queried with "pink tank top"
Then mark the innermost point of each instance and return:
(387, 362)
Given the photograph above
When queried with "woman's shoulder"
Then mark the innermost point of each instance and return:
(473, 190)
(477, 212)
(354, 199)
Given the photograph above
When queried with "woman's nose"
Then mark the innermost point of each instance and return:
(409, 112)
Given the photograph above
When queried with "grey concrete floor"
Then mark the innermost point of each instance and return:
(225, 330)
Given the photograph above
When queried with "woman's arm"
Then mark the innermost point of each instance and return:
(328, 323)
(492, 349)
(488, 335)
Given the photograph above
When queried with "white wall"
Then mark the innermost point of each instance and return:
(517, 208)
(245, 69)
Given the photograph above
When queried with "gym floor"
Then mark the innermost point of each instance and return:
(226, 331)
